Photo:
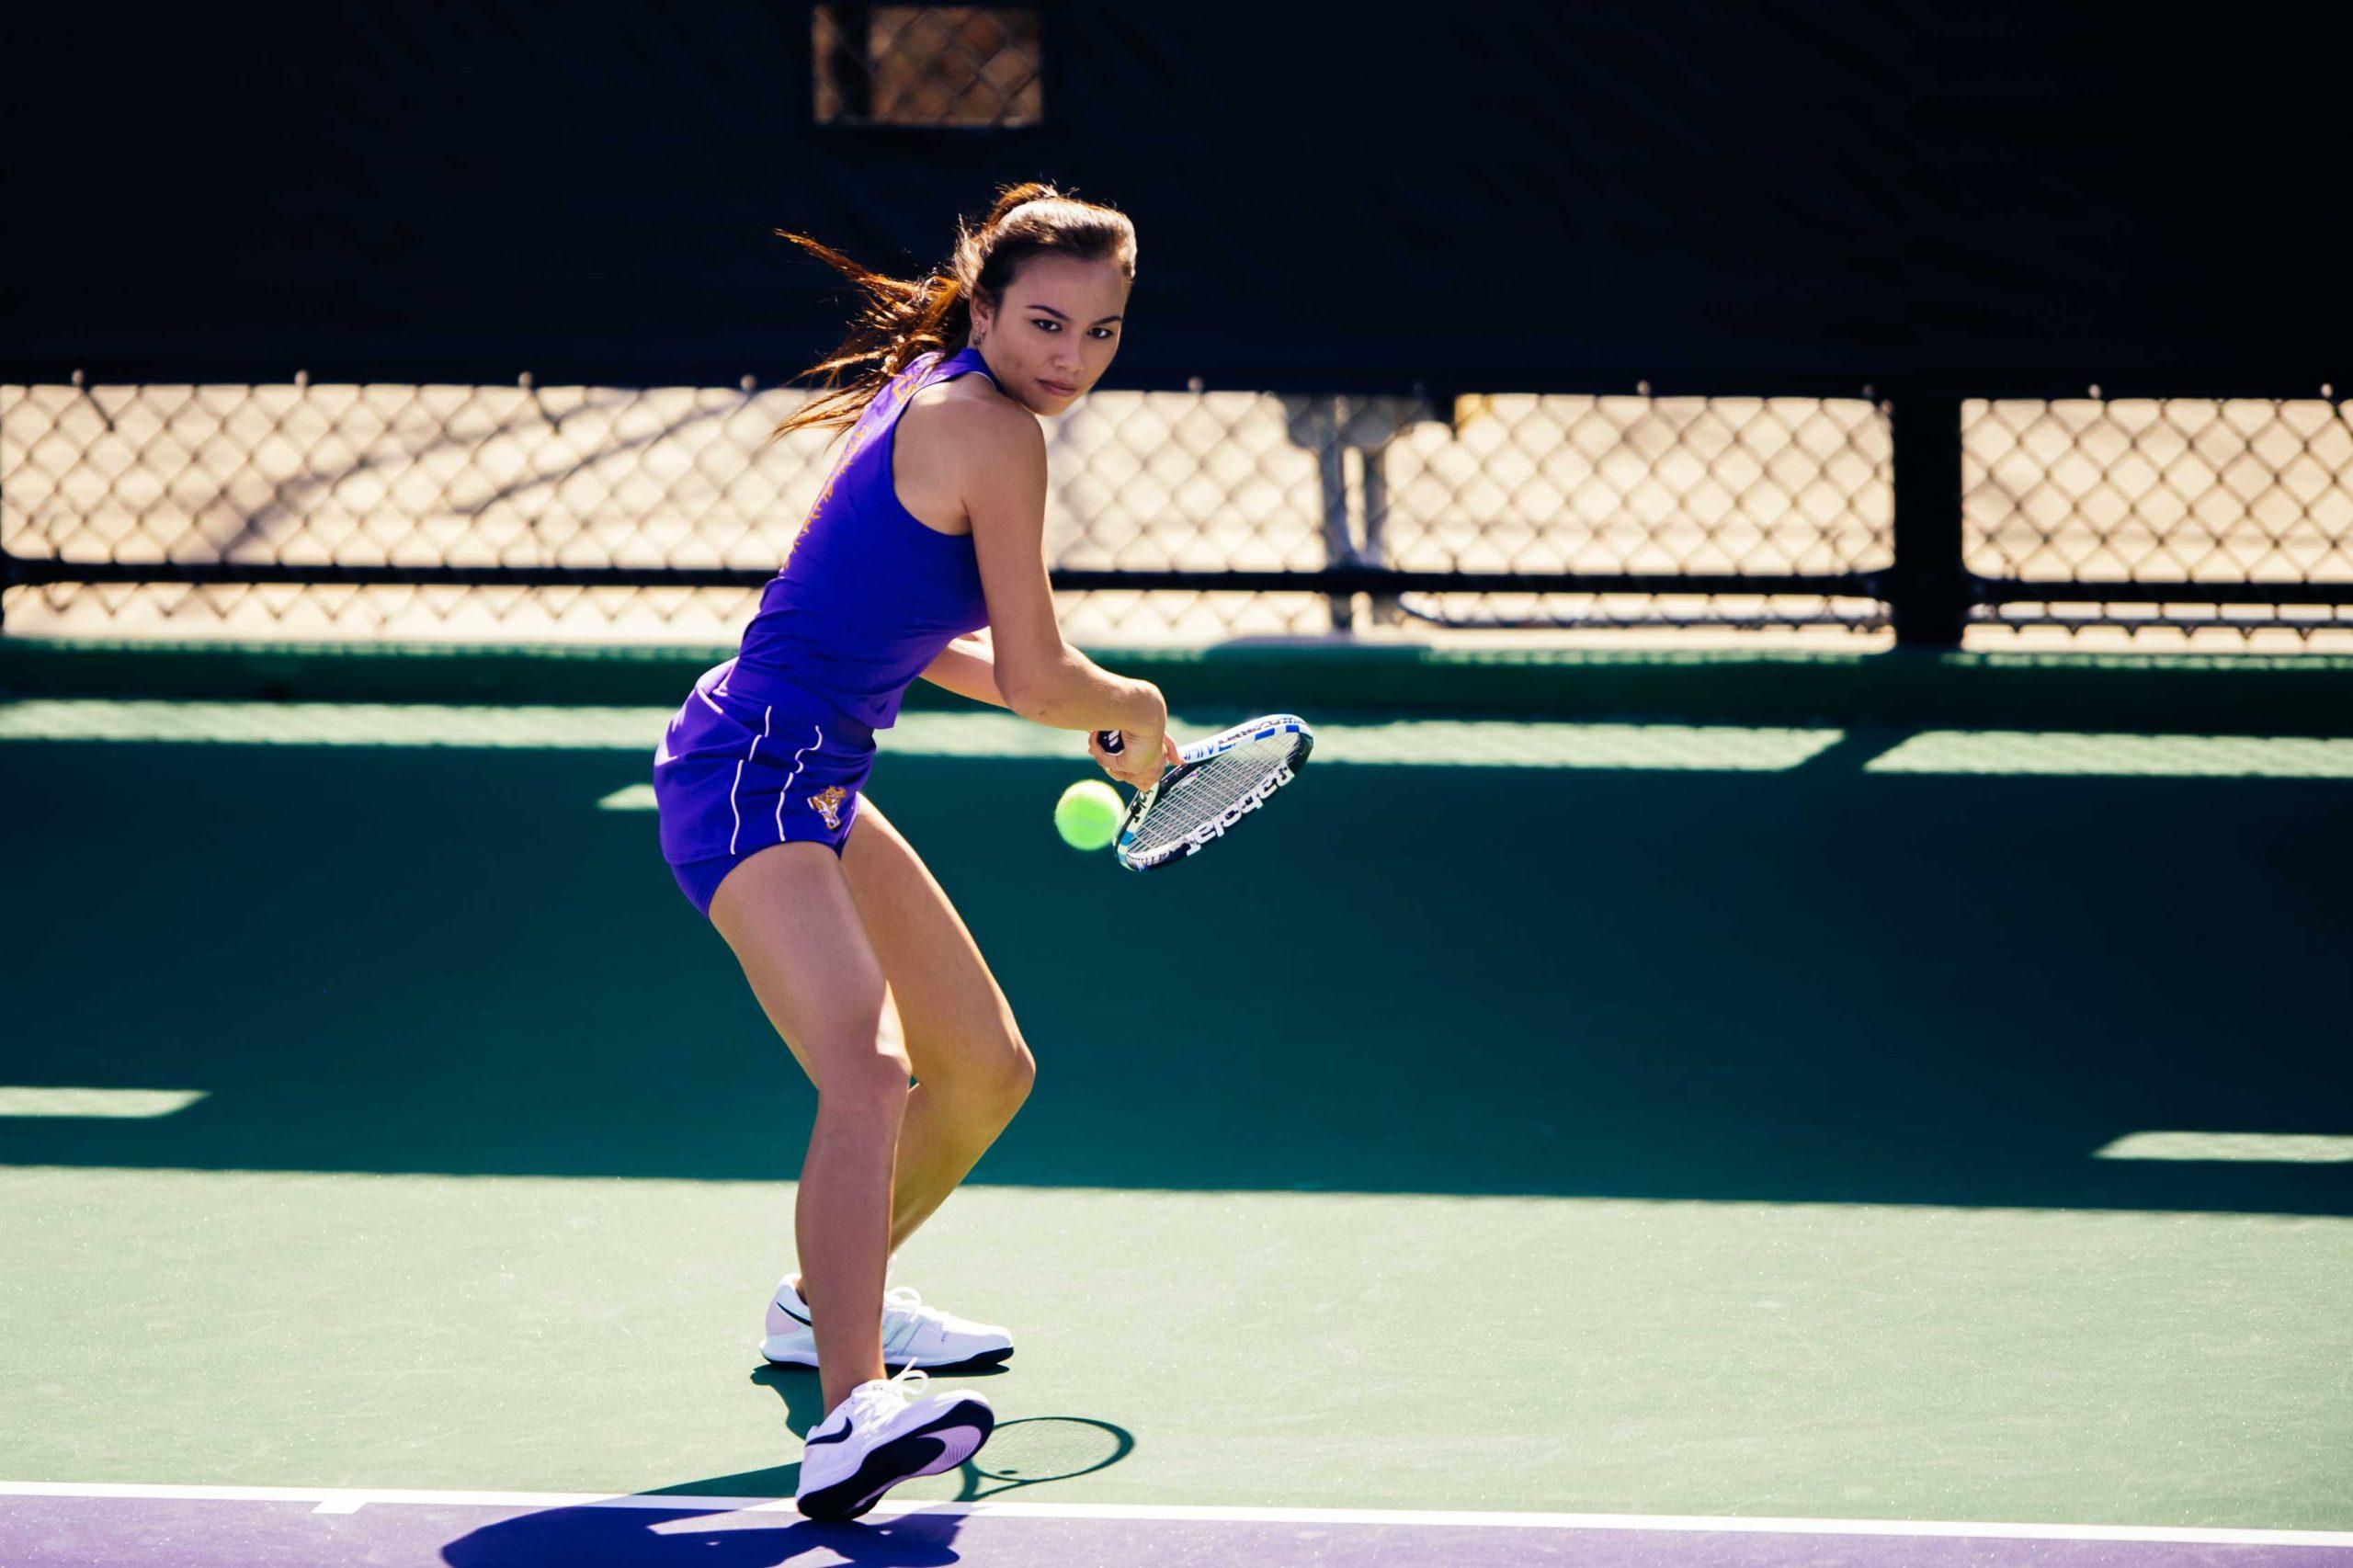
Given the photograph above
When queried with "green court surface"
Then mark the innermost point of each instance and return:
(1626, 1118)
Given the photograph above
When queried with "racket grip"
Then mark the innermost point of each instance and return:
(1110, 741)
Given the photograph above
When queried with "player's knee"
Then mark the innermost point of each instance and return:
(862, 1059)
(1022, 1076)
(873, 1078)
(993, 1088)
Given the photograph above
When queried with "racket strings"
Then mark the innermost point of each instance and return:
(1210, 790)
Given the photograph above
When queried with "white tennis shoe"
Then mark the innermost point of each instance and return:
(878, 1438)
(914, 1334)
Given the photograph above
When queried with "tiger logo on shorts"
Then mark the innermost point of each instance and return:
(827, 803)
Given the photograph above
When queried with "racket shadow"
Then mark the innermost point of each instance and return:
(1023, 1451)
(1033, 1449)
(1026, 1452)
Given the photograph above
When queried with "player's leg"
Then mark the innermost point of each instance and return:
(788, 914)
(972, 1066)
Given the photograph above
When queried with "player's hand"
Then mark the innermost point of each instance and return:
(1123, 765)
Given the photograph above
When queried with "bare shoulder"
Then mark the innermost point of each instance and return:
(970, 411)
(953, 443)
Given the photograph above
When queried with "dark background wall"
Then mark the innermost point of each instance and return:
(1758, 193)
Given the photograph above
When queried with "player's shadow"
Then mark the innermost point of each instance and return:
(662, 1528)
(625, 1534)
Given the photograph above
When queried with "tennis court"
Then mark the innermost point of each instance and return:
(1795, 1014)
(1644, 1141)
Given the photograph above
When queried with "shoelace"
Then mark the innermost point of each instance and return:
(905, 1299)
(906, 1387)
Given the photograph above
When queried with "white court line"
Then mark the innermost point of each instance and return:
(335, 1499)
(2267, 1148)
(137, 1104)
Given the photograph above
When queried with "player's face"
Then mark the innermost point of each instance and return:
(1052, 335)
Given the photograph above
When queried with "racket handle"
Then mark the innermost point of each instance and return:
(1111, 740)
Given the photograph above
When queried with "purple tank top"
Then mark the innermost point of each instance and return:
(867, 596)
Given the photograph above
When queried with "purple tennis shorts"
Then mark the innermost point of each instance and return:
(733, 776)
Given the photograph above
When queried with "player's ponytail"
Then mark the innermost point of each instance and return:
(898, 320)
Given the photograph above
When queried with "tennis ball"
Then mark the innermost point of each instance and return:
(1089, 814)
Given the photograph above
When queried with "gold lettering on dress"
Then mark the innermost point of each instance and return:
(827, 803)
(879, 413)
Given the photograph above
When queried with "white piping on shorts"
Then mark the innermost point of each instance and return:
(749, 752)
(787, 783)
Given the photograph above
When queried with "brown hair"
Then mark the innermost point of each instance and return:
(899, 320)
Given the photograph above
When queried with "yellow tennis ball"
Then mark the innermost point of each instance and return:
(1089, 814)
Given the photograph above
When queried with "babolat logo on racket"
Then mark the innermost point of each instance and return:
(1215, 827)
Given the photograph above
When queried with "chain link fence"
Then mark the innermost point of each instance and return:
(2218, 492)
(1679, 487)
(653, 514)
(975, 66)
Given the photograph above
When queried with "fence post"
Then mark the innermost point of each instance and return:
(1377, 423)
(7, 561)
(1929, 590)
(1318, 424)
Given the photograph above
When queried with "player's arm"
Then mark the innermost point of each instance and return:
(968, 667)
(1041, 677)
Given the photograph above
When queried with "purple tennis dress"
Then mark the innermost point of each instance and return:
(773, 745)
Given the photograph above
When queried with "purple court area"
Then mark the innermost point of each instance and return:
(89, 1532)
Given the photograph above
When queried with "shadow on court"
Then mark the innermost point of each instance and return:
(722, 1539)
(1021, 1453)
(1820, 983)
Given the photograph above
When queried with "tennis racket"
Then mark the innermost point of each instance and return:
(1219, 781)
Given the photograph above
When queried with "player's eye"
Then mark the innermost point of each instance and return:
(1043, 322)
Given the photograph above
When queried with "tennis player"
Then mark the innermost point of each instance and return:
(923, 555)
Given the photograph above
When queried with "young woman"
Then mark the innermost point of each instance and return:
(923, 555)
